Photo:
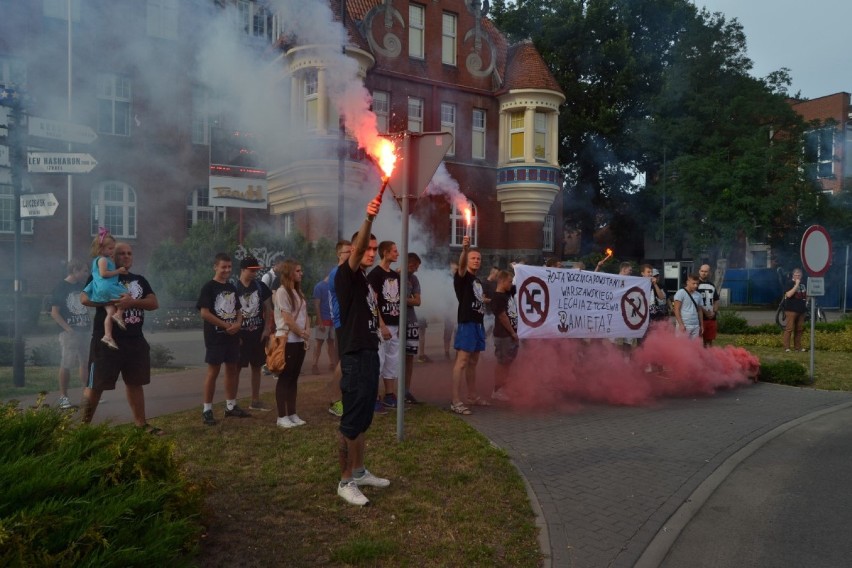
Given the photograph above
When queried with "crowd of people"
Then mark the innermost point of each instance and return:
(357, 309)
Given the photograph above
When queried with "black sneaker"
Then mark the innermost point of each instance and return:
(236, 412)
(409, 399)
(207, 417)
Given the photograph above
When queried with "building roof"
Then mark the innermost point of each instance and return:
(526, 69)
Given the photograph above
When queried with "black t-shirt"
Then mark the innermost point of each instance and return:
(502, 302)
(469, 294)
(138, 288)
(386, 285)
(252, 299)
(223, 301)
(66, 296)
(797, 303)
(489, 288)
(359, 316)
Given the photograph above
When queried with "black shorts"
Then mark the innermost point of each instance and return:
(228, 353)
(132, 361)
(252, 350)
(359, 386)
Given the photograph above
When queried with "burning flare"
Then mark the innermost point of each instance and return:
(384, 152)
(467, 216)
(609, 253)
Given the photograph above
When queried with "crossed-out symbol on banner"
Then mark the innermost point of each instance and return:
(534, 301)
(634, 308)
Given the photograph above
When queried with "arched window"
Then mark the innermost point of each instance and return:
(458, 225)
(114, 207)
(199, 210)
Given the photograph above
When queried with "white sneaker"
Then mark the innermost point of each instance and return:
(351, 494)
(294, 418)
(500, 395)
(64, 403)
(285, 422)
(371, 480)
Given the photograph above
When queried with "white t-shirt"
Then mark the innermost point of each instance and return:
(299, 313)
(688, 313)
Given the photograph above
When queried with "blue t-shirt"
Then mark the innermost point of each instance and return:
(334, 306)
(321, 293)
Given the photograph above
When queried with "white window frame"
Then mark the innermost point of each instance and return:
(823, 164)
(415, 114)
(548, 235)
(381, 108)
(199, 210)
(516, 130)
(448, 124)
(200, 124)
(458, 225)
(540, 137)
(117, 215)
(478, 137)
(115, 94)
(449, 33)
(416, 31)
(162, 18)
(310, 92)
(13, 71)
(7, 212)
(289, 224)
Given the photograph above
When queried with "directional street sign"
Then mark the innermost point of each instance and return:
(59, 163)
(38, 205)
(64, 131)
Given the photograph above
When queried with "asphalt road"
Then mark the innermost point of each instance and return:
(788, 504)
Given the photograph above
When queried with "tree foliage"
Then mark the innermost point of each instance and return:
(650, 82)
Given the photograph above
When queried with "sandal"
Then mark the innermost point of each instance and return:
(478, 401)
(119, 321)
(460, 409)
(153, 430)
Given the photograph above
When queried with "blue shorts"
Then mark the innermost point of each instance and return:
(359, 387)
(470, 337)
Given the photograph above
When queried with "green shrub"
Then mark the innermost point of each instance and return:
(764, 328)
(81, 495)
(6, 351)
(784, 373)
(46, 355)
(730, 322)
(161, 356)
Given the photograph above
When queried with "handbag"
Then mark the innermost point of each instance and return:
(275, 361)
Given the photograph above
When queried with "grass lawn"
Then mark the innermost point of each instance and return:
(454, 499)
(44, 379)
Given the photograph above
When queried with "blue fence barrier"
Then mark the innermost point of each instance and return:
(761, 286)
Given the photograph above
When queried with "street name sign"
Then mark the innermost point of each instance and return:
(63, 131)
(59, 163)
(38, 205)
(816, 286)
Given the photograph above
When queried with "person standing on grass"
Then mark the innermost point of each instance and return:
(385, 281)
(73, 317)
(412, 336)
(709, 304)
(470, 334)
(104, 288)
(687, 309)
(256, 305)
(219, 306)
(291, 320)
(358, 344)
(335, 406)
(323, 331)
(795, 306)
(506, 341)
(133, 360)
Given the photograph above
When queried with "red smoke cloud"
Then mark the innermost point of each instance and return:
(560, 373)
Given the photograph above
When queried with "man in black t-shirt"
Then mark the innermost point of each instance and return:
(257, 324)
(358, 342)
(73, 317)
(133, 358)
(470, 335)
(385, 282)
(220, 308)
(505, 332)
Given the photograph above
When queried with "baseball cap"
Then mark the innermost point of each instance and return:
(250, 262)
(655, 272)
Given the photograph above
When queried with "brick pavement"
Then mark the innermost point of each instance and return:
(608, 478)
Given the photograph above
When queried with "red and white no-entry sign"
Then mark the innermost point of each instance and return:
(816, 251)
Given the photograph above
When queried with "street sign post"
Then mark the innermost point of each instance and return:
(816, 258)
(62, 131)
(59, 163)
(38, 205)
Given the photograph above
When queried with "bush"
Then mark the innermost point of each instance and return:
(81, 495)
(6, 351)
(730, 322)
(783, 373)
(161, 356)
(46, 355)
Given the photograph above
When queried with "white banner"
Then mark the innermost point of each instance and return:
(246, 192)
(568, 303)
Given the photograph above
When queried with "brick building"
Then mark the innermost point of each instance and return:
(827, 149)
(134, 80)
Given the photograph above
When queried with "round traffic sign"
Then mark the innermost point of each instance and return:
(816, 250)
